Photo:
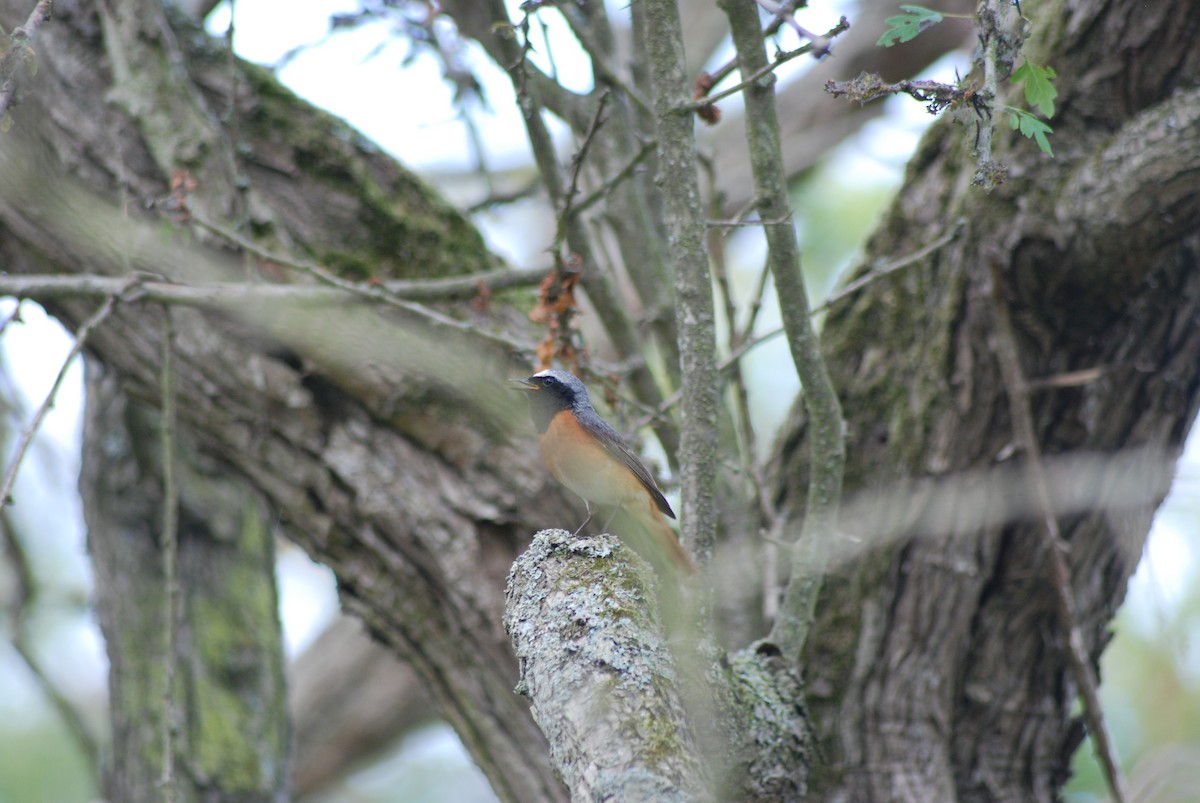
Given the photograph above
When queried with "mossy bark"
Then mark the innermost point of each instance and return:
(228, 702)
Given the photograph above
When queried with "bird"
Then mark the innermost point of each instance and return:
(584, 453)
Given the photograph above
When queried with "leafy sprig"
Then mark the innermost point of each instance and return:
(1031, 127)
(907, 26)
(1039, 87)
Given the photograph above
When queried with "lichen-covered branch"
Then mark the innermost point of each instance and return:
(582, 614)
(694, 315)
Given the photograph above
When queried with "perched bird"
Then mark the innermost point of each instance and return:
(587, 455)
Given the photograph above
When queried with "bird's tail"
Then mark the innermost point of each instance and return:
(645, 529)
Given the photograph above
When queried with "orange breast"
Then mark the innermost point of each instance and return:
(584, 466)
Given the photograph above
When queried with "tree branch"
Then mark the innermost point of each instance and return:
(1017, 390)
(172, 725)
(597, 672)
(611, 310)
(693, 286)
(18, 54)
(81, 336)
(818, 47)
(827, 453)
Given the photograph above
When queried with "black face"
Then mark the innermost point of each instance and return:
(551, 392)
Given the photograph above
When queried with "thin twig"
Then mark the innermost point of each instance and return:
(625, 172)
(1008, 355)
(891, 266)
(219, 294)
(599, 58)
(10, 476)
(19, 53)
(170, 557)
(722, 365)
(372, 292)
(610, 308)
(528, 190)
(738, 222)
(821, 45)
(756, 304)
(577, 162)
(935, 94)
(1069, 379)
(784, 13)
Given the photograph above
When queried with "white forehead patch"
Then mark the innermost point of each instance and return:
(547, 372)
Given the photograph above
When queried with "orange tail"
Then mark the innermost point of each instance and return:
(646, 530)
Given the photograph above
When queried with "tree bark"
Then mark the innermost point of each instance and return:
(227, 702)
(937, 666)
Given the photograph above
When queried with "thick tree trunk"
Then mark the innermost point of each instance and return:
(937, 665)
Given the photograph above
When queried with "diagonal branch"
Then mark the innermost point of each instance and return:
(18, 54)
(1017, 388)
(81, 335)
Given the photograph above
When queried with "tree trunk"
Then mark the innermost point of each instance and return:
(227, 705)
(937, 666)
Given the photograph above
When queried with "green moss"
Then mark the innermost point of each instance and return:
(399, 227)
(661, 740)
(236, 725)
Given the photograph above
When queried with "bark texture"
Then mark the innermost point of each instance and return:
(936, 665)
(594, 663)
(231, 737)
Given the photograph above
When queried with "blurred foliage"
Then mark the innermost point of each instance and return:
(39, 761)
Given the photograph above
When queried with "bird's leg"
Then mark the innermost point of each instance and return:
(590, 514)
(611, 516)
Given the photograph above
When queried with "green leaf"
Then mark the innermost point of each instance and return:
(1039, 91)
(1032, 128)
(905, 27)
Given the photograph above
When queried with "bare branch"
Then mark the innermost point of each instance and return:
(1008, 355)
(625, 172)
(19, 54)
(596, 670)
(818, 47)
(827, 454)
(172, 724)
(610, 308)
(35, 424)
(891, 266)
(693, 298)
(567, 211)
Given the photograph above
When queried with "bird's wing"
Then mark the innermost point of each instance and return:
(615, 445)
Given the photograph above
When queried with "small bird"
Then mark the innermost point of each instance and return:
(587, 455)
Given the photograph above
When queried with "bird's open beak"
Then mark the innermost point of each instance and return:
(524, 384)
